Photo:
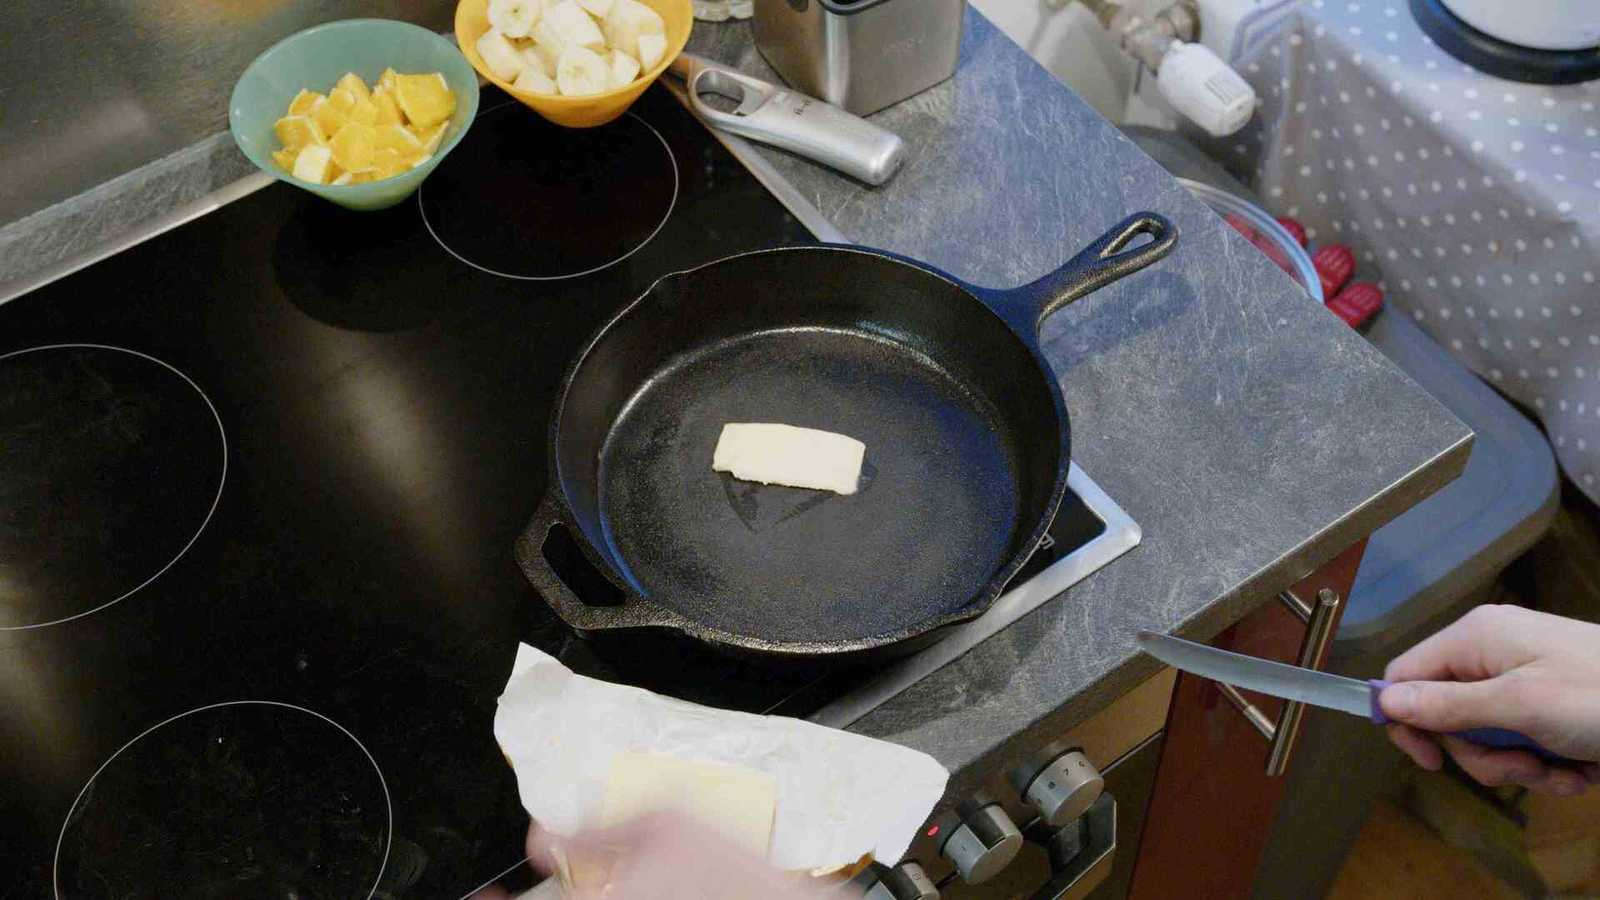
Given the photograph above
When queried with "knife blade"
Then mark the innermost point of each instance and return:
(1348, 695)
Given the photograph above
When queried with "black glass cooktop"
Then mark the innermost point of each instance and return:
(260, 478)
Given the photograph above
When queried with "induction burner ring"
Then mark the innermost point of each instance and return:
(55, 868)
(205, 520)
(493, 237)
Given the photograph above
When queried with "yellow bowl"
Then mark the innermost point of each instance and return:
(472, 20)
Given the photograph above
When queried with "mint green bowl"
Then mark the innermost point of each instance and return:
(315, 59)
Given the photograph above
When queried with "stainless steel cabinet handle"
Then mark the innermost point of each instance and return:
(1281, 735)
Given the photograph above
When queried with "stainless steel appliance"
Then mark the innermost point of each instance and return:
(862, 55)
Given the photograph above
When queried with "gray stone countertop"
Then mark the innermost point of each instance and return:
(1249, 432)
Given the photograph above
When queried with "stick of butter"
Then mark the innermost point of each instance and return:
(772, 453)
(737, 801)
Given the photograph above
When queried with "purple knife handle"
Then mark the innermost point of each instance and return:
(1493, 738)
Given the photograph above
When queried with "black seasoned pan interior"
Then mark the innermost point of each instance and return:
(966, 433)
(963, 445)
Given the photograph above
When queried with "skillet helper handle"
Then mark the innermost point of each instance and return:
(1105, 260)
(1492, 738)
(791, 121)
(632, 612)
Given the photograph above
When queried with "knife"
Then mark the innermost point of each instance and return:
(1349, 695)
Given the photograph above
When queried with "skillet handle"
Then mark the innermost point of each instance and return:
(633, 612)
(1105, 260)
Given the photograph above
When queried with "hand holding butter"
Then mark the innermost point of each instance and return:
(799, 796)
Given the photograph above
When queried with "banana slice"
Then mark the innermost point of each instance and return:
(581, 72)
(573, 27)
(531, 58)
(626, 21)
(502, 59)
(514, 18)
(624, 68)
(596, 8)
(651, 48)
(535, 81)
(547, 44)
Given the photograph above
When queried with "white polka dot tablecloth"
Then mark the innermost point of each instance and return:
(1476, 201)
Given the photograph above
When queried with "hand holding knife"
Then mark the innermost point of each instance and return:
(1349, 695)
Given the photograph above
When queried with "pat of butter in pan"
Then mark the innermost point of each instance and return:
(785, 454)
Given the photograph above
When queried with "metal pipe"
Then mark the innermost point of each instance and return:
(1313, 651)
(1252, 713)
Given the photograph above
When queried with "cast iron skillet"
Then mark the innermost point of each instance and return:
(967, 440)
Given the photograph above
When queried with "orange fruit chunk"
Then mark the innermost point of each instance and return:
(425, 99)
(386, 80)
(285, 158)
(354, 147)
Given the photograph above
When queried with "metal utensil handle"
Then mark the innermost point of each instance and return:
(633, 612)
(1106, 259)
(791, 120)
(1492, 738)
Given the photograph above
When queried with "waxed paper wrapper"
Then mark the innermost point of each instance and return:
(840, 795)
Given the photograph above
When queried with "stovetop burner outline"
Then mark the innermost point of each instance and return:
(222, 480)
(666, 214)
(388, 801)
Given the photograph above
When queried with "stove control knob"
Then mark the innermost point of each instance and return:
(1064, 789)
(983, 844)
(906, 881)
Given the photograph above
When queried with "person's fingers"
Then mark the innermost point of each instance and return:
(539, 846)
(1591, 772)
(1444, 706)
(1494, 768)
(1566, 782)
(1417, 745)
(1485, 642)
(492, 892)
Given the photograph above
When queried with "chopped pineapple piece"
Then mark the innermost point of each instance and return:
(303, 101)
(354, 146)
(356, 134)
(388, 161)
(314, 164)
(366, 112)
(295, 132)
(425, 99)
(388, 110)
(343, 99)
(398, 139)
(329, 116)
(431, 139)
(353, 83)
